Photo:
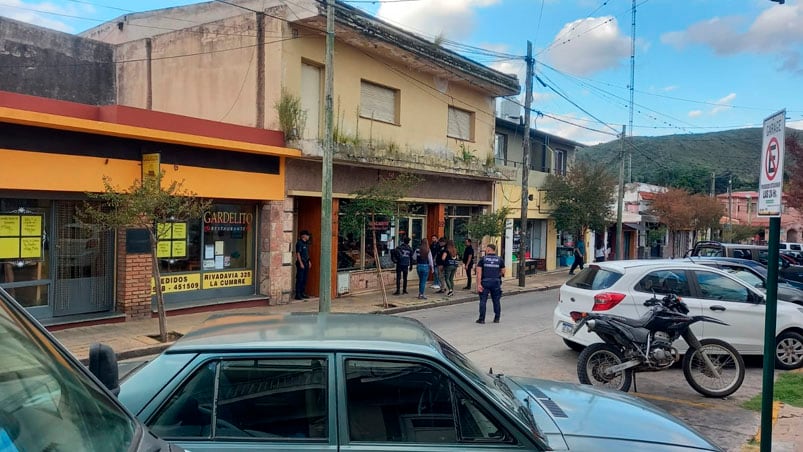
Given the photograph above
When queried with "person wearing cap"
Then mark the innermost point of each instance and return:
(302, 265)
(490, 271)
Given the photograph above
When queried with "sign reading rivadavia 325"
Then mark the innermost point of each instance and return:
(770, 186)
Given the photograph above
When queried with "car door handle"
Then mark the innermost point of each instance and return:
(717, 307)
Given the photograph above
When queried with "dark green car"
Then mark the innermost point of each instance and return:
(352, 382)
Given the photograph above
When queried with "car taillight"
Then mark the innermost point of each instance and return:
(607, 300)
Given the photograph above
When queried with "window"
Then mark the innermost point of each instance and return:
(500, 148)
(664, 282)
(718, 287)
(412, 403)
(254, 398)
(379, 103)
(461, 124)
(560, 162)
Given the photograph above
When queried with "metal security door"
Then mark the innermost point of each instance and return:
(83, 256)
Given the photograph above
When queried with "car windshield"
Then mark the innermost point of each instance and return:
(594, 278)
(747, 276)
(493, 387)
(45, 404)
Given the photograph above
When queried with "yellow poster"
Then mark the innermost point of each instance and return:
(31, 248)
(178, 283)
(9, 247)
(150, 165)
(179, 248)
(164, 231)
(9, 225)
(221, 280)
(31, 226)
(179, 230)
(163, 248)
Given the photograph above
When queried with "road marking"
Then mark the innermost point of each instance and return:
(674, 400)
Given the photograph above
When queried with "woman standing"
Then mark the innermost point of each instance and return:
(423, 260)
(451, 261)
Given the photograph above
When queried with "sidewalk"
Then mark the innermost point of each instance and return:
(131, 339)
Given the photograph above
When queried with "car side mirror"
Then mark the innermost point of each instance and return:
(103, 365)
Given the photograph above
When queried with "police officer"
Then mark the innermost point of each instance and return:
(302, 265)
(490, 271)
(403, 256)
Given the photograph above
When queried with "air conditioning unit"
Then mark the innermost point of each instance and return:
(509, 109)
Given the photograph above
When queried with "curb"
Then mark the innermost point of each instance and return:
(158, 348)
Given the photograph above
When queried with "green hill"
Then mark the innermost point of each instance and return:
(688, 160)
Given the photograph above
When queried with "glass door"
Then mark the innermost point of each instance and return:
(412, 227)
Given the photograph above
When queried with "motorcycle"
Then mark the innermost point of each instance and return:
(711, 366)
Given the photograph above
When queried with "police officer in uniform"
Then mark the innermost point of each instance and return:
(490, 271)
(403, 256)
(302, 265)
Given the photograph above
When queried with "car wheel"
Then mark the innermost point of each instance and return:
(574, 345)
(789, 351)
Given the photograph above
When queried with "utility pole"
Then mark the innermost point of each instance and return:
(620, 236)
(730, 208)
(525, 164)
(708, 232)
(325, 300)
(632, 86)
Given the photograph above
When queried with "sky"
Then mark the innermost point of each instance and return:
(698, 66)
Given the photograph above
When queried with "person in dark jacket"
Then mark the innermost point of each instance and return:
(404, 256)
(490, 271)
(468, 262)
(302, 265)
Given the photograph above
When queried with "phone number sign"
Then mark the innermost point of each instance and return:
(770, 186)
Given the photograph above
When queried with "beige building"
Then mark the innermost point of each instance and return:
(401, 104)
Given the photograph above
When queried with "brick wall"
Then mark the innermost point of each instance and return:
(134, 273)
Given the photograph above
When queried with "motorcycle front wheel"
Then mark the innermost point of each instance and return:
(594, 362)
(728, 372)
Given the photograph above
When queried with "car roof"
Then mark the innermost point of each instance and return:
(623, 265)
(734, 260)
(309, 331)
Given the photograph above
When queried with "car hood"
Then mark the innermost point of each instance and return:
(581, 417)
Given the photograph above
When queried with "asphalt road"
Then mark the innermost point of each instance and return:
(523, 344)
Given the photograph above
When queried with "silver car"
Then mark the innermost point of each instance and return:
(363, 382)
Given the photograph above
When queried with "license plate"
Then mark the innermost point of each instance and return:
(566, 327)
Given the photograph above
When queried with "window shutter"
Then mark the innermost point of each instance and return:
(459, 124)
(378, 102)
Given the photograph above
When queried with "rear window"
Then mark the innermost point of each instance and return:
(795, 247)
(594, 278)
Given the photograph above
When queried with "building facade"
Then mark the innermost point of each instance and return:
(401, 105)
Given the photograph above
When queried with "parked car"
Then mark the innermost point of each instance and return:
(622, 287)
(710, 248)
(753, 273)
(50, 401)
(793, 275)
(372, 382)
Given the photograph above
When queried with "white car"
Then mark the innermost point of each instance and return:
(622, 287)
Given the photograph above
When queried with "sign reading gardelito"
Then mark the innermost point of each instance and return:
(770, 186)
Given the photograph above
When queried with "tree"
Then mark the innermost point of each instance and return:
(490, 224)
(146, 204)
(681, 211)
(582, 198)
(793, 150)
(383, 199)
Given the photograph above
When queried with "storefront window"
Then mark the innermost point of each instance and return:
(457, 218)
(228, 237)
(25, 249)
(378, 229)
(222, 240)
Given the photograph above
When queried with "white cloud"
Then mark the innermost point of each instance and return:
(37, 13)
(723, 104)
(454, 19)
(777, 30)
(567, 126)
(695, 113)
(590, 45)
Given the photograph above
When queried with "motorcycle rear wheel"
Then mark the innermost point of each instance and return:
(726, 359)
(593, 362)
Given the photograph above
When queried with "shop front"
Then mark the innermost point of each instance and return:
(64, 270)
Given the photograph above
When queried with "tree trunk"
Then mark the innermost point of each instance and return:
(160, 302)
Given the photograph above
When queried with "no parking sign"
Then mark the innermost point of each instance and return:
(770, 186)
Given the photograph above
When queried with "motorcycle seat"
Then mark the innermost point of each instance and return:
(636, 323)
